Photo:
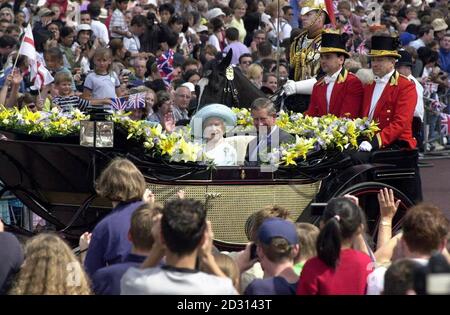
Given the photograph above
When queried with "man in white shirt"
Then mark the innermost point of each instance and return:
(183, 235)
(137, 28)
(426, 36)
(98, 28)
(404, 66)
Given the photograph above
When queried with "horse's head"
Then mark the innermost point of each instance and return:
(227, 85)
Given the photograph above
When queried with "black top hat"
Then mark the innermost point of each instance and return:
(405, 59)
(384, 46)
(333, 42)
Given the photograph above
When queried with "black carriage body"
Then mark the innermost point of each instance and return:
(56, 181)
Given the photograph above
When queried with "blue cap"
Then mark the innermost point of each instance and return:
(276, 227)
(406, 38)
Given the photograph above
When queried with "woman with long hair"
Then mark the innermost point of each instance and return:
(50, 268)
(337, 269)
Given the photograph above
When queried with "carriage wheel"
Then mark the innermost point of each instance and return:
(368, 201)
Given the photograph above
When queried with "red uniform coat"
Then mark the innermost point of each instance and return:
(394, 110)
(346, 97)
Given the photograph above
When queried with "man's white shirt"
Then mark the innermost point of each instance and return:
(380, 84)
(418, 112)
(330, 80)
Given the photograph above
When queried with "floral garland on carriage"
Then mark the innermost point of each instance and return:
(312, 134)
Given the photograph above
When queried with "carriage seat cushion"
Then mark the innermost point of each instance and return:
(240, 143)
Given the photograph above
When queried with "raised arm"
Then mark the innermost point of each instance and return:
(388, 208)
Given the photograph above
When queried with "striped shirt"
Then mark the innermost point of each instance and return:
(118, 20)
(68, 103)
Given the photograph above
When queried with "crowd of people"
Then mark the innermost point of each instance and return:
(393, 69)
(96, 51)
(144, 247)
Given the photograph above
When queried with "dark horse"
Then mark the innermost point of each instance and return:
(224, 84)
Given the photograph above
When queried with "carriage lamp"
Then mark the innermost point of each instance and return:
(97, 132)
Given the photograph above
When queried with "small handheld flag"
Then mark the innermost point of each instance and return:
(136, 101)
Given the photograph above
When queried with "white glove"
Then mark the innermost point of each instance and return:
(299, 87)
(365, 146)
(289, 87)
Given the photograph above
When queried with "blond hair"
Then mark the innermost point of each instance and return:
(307, 237)
(50, 268)
(254, 71)
(105, 53)
(121, 181)
(229, 268)
(239, 4)
(61, 77)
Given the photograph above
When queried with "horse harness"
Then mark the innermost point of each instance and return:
(230, 87)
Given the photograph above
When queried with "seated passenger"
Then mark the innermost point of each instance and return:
(214, 119)
(269, 136)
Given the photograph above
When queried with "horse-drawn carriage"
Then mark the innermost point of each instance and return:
(54, 177)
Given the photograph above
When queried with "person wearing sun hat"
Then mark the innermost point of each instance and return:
(210, 125)
(439, 27)
(390, 99)
(339, 92)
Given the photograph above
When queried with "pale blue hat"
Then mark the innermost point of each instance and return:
(214, 110)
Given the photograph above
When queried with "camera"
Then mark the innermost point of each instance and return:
(253, 254)
(125, 72)
(317, 208)
(151, 19)
(434, 278)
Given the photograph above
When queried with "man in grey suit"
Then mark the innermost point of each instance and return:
(268, 134)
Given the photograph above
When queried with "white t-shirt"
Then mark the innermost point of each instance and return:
(213, 40)
(100, 31)
(173, 281)
(132, 44)
(102, 86)
(375, 280)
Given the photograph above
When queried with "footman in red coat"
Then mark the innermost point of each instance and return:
(339, 92)
(390, 99)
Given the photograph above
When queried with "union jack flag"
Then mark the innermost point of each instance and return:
(348, 28)
(119, 103)
(165, 66)
(445, 124)
(136, 101)
(362, 49)
(436, 106)
(429, 88)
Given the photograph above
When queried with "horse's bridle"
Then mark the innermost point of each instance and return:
(230, 88)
